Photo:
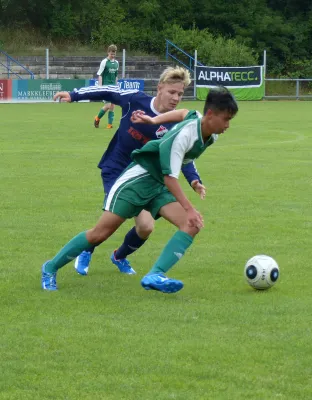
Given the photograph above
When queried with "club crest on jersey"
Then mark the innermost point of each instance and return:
(161, 131)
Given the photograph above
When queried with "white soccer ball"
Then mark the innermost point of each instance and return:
(261, 272)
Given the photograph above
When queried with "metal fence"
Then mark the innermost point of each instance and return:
(286, 88)
(177, 54)
(8, 63)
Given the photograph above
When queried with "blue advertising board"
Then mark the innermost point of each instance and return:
(125, 84)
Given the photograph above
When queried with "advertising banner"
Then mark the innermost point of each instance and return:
(43, 89)
(5, 89)
(246, 83)
(125, 84)
(131, 84)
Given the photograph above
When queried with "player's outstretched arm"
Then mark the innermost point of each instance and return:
(95, 93)
(139, 117)
(62, 96)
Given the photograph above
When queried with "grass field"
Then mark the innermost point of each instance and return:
(103, 336)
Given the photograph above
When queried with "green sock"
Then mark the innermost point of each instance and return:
(69, 252)
(111, 117)
(173, 251)
(101, 113)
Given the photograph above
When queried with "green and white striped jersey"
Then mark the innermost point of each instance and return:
(181, 145)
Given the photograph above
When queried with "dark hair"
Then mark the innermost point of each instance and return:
(221, 99)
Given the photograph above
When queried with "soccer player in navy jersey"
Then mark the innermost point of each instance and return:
(131, 136)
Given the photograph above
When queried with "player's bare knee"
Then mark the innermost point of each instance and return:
(96, 236)
(145, 228)
(191, 230)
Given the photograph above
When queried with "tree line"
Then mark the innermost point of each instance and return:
(223, 32)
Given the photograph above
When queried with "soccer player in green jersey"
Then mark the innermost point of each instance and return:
(151, 183)
(107, 75)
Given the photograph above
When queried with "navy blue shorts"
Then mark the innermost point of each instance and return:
(107, 184)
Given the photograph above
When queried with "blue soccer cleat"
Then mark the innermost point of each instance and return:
(48, 279)
(82, 262)
(161, 283)
(123, 265)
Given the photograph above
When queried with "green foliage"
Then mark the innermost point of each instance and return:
(59, 14)
(236, 31)
(111, 26)
(149, 10)
(300, 69)
(283, 34)
(211, 49)
(146, 40)
(114, 27)
(15, 39)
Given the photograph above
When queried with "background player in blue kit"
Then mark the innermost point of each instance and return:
(131, 136)
(151, 183)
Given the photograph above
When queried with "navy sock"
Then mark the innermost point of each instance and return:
(91, 250)
(132, 242)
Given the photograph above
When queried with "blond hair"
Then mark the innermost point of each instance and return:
(112, 47)
(174, 75)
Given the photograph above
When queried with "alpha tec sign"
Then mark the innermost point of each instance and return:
(235, 77)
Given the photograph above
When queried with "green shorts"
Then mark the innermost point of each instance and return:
(136, 190)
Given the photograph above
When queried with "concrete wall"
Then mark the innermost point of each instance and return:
(78, 67)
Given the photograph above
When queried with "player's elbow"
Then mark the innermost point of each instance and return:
(184, 113)
(168, 180)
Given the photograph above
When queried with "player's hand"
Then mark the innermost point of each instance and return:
(194, 218)
(63, 97)
(139, 117)
(199, 188)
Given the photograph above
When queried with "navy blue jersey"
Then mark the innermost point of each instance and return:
(129, 136)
